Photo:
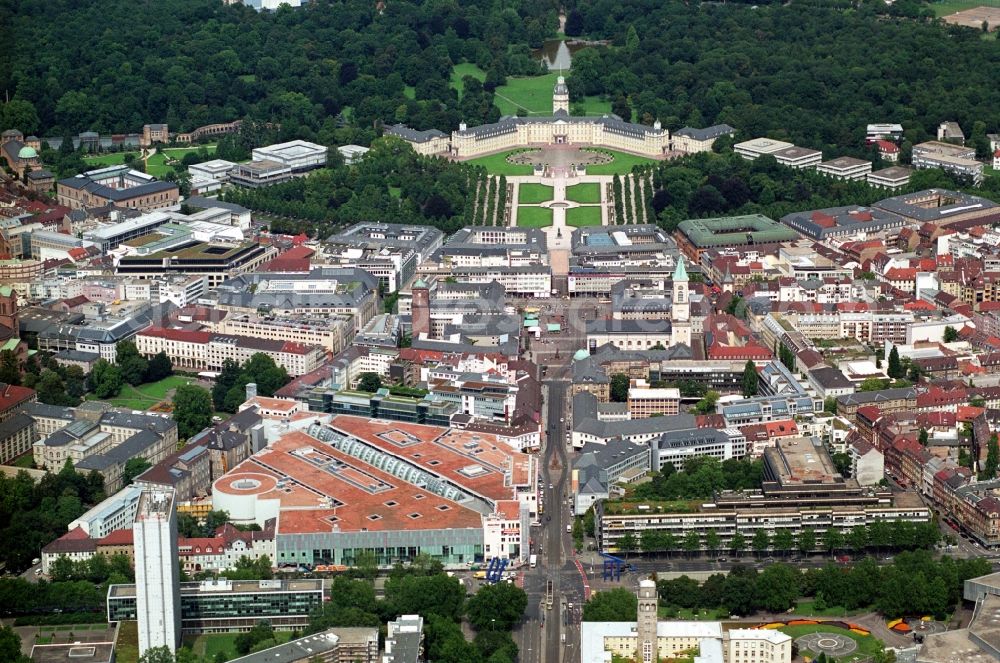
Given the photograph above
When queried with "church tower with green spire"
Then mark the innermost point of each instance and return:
(680, 307)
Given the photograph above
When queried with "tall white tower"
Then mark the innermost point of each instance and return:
(646, 625)
(680, 307)
(560, 96)
(157, 579)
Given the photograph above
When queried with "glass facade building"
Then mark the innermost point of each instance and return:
(229, 606)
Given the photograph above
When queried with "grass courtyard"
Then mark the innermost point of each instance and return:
(525, 95)
(530, 216)
(532, 95)
(496, 164)
(156, 165)
(621, 165)
(534, 193)
(207, 646)
(146, 396)
(584, 193)
(867, 645)
(578, 217)
(460, 71)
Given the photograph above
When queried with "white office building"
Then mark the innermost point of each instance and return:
(299, 155)
(157, 583)
(114, 513)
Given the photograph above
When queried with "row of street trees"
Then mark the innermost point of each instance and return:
(914, 583)
(878, 537)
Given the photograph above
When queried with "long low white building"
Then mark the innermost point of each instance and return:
(206, 351)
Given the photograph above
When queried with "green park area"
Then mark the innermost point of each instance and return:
(146, 396)
(621, 165)
(496, 164)
(532, 95)
(526, 95)
(156, 165)
(460, 71)
(534, 193)
(530, 216)
(868, 645)
(578, 217)
(584, 193)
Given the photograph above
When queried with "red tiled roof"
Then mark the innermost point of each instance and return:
(919, 305)
(887, 146)
(75, 540)
(120, 537)
(901, 274)
(13, 395)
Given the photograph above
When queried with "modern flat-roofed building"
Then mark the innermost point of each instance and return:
(798, 157)
(260, 173)
(892, 178)
(216, 169)
(845, 168)
(404, 640)
(299, 155)
(883, 131)
(157, 576)
(110, 236)
(217, 261)
(757, 147)
(951, 158)
(230, 606)
(644, 401)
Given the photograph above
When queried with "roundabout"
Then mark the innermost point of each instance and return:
(831, 644)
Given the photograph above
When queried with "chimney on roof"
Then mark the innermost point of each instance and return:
(251, 390)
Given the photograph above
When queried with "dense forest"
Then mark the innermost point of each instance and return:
(813, 74)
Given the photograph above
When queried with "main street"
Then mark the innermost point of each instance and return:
(540, 637)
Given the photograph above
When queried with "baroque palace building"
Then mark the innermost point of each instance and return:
(561, 128)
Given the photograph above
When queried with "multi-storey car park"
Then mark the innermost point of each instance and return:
(391, 488)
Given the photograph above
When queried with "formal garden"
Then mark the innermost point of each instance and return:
(532, 216)
(578, 217)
